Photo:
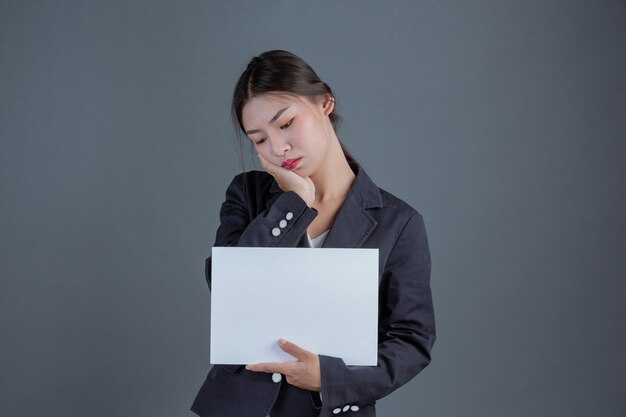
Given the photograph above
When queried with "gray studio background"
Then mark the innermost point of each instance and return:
(502, 122)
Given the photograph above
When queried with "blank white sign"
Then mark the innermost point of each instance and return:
(324, 300)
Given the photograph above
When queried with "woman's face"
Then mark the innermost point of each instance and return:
(292, 132)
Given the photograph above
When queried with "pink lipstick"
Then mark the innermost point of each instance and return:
(291, 164)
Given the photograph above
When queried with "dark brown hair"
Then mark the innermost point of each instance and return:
(280, 72)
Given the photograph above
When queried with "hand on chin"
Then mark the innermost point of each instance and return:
(290, 181)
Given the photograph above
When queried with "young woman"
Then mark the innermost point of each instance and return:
(312, 193)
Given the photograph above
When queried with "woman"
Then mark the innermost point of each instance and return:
(313, 193)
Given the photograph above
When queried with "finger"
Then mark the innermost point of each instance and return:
(269, 367)
(294, 350)
(267, 166)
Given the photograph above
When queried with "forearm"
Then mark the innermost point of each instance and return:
(283, 224)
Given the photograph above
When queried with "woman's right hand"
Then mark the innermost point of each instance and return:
(290, 181)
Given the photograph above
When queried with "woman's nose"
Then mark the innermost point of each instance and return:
(279, 147)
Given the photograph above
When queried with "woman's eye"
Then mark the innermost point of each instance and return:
(260, 141)
(286, 125)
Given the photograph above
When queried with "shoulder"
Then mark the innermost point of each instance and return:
(257, 182)
(381, 202)
(396, 204)
(253, 178)
(393, 216)
(400, 216)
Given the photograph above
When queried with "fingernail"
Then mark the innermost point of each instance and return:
(248, 367)
(282, 341)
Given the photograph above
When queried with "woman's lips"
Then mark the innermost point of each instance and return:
(291, 164)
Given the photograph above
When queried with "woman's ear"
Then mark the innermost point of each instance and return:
(328, 104)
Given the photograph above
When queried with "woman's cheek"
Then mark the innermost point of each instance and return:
(299, 133)
(276, 160)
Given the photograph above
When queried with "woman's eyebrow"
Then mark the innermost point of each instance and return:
(276, 116)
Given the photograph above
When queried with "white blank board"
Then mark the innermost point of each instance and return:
(324, 300)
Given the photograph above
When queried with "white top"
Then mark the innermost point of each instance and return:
(318, 241)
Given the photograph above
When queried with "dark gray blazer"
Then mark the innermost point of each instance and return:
(369, 218)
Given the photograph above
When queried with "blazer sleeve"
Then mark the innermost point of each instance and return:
(241, 226)
(406, 329)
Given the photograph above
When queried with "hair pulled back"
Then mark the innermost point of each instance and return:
(279, 71)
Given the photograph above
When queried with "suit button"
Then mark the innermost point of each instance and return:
(283, 224)
(289, 216)
(346, 408)
(276, 231)
(354, 408)
(337, 411)
(276, 377)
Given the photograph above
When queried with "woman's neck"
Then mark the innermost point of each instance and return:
(335, 177)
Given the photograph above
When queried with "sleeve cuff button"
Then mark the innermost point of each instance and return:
(276, 231)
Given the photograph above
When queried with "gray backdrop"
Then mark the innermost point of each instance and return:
(502, 122)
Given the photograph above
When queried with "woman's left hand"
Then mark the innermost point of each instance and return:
(303, 373)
